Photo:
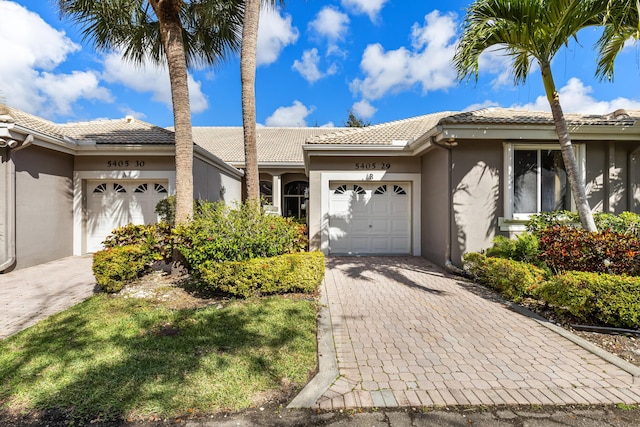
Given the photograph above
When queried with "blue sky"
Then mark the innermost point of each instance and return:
(384, 59)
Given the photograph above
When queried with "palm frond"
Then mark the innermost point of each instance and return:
(211, 28)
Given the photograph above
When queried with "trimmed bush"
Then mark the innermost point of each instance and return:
(220, 233)
(155, 239)
(513, 279)
(117, 266)
(609, 299)
(299, 272)
(566, 248)
(523, 248)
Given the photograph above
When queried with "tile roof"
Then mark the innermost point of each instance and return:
(382, 134)
(521, 117)
(119, 131)
(32, 122)
(275, 145)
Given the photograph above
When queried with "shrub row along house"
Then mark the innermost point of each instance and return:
(436, 186)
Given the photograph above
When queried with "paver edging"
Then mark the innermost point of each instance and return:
(630, 368)
(327, 360)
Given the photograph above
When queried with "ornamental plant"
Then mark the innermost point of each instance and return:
(221, 233)
(513, 279)
(607, 299)
(156, 240)
(565, 248)
(297, 272)
(117, 266)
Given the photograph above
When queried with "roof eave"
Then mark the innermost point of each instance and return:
(535, 132)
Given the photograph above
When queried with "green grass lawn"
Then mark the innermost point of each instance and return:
(114, 358)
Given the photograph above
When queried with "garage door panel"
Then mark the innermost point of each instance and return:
(339, 204)
(112, 204)
(380, 226)
(374, 217)
(359, 226)
(380, 205)
(400, 227)
(359, 245)
(380, 244)
(399, 207)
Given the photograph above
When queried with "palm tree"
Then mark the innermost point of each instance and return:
(528, 30)
(621, 23)
(180, 33)
(248, 78)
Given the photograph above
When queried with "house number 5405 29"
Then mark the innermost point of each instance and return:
(372, 166)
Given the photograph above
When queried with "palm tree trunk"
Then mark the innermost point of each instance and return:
(167, 12)
(568, 155)
(248, 78)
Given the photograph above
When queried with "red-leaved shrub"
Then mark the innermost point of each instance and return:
(573, 249)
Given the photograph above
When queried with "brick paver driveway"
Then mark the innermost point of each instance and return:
(408, 334)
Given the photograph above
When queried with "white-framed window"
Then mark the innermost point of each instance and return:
(536, 179)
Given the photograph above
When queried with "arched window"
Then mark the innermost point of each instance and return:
(295, 204)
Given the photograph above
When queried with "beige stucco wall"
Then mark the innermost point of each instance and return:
(44, 206)
(208, 181)
(477, 192)
(359, 163)
(434, 209)
(124, 163)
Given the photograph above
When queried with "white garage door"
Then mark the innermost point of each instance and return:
(112, 204)
(370, 218)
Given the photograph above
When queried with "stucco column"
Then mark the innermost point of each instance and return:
(276, 185)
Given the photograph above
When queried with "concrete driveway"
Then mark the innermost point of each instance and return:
(31, 294)
(408, 334)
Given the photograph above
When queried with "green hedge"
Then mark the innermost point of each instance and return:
(513, 279)
(297, 272)
(221, 233)
(115, 267)
(610, 299)
(155, 239)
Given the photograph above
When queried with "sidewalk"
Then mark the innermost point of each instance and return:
(31, 294)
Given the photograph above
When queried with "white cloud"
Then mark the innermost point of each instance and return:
(151, 78)
(328, 125)
(481, 105)
(308, 66)
(32, 50)
(331, 24)
(427, 64)
(133, 113)
(294, 115)
(363, 109)
(575, 98)
(274, 34)
(365, 7)
(64, 89)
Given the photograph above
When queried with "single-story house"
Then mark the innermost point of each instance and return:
(444, 184)
(64, 187)
(436, 186)
(283, 182)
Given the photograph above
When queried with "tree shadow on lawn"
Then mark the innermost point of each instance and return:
(154, 361)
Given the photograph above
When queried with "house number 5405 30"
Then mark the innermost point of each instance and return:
(124, 163)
